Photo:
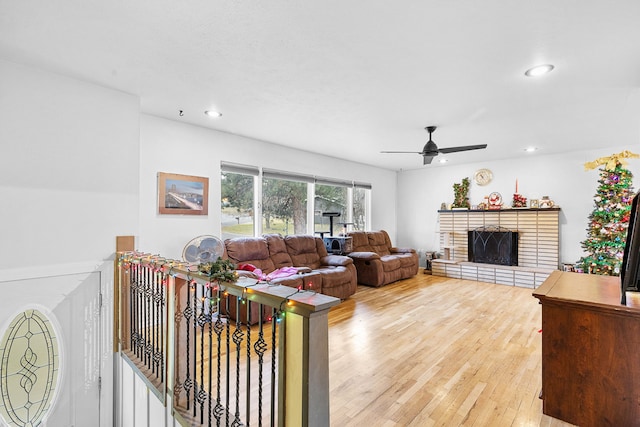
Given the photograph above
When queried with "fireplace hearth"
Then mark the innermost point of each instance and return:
(493, 245)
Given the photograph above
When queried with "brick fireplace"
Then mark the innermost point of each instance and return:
(536, 245)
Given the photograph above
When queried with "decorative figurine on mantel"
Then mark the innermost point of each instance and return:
(495, 201)
(519, 201)
(545, 203)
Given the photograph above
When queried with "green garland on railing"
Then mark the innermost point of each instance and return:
(221, 270)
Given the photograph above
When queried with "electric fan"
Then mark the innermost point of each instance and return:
(203, 249)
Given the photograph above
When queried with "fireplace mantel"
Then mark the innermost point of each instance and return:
(538, 244)
(490, 211)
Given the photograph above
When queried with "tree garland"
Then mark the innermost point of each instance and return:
(609, 221)
(460, 194)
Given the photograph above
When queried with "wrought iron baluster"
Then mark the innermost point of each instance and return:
(148, 351)
(145, 329)
(188, 382)
(132, 304)
(154, 322)
(178, 386)
(248, 368)
(163, 305)
(210, 304)
(219, 328)
(260, 348)
(195, 346)
(140, 326)
(274, 325)
(142, 312)
(158, 355)
(136, 298)
(203, 320)
(238, 336)
(228, 358)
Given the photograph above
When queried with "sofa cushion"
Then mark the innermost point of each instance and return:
(379, 242)
(303, 251)
(333, 276)
(250, 250)
(360, 241)
(406, 259)
(278, 251)
(390, 262)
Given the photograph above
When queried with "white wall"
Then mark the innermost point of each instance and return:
(69, 165)
(66, 187)
(173, 147)
(561, 177)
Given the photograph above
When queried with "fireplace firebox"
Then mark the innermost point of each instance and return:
(493, 245)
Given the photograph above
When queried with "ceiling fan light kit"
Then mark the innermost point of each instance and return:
(213, 114)
(431, 150)
(539, 70)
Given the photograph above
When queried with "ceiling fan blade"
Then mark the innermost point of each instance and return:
(463, 148)
(426, 160)
(410, 152)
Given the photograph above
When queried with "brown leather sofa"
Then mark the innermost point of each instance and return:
(333, 275)
(378, 262)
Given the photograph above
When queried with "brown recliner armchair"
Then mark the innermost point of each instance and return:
(379, 263)
(339, 275)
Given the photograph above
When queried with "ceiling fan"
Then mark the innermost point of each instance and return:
(431, 150)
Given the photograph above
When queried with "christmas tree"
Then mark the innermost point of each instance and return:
(609, 220)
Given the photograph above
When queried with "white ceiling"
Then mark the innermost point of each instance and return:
(352, 78)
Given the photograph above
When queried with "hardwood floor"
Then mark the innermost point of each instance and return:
(434, 351)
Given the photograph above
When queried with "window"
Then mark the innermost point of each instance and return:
(331, 207)
(361, 198)
(284, 203)
(237, 204)
(288, 203)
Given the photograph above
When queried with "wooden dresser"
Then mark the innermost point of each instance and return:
(590, 350)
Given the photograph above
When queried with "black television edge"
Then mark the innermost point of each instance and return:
(629, 274)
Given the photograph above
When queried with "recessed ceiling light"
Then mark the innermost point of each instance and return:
(538, 70)
(443, 160)
(530, 149)
(211, 113)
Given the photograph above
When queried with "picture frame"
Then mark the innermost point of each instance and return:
(182, 194)
(533, 204)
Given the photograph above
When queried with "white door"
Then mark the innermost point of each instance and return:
(50, 351)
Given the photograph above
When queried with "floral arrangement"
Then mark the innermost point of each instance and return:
(221, 270)
(519, 201)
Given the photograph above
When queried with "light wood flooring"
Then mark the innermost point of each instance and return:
(435, 351)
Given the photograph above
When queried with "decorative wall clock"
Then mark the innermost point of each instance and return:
(483, 176)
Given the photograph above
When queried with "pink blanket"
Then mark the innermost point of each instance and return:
(275, 274)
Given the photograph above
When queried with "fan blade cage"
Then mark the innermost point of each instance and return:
(203, 249)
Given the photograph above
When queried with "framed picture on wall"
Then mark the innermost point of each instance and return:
(182, 194)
